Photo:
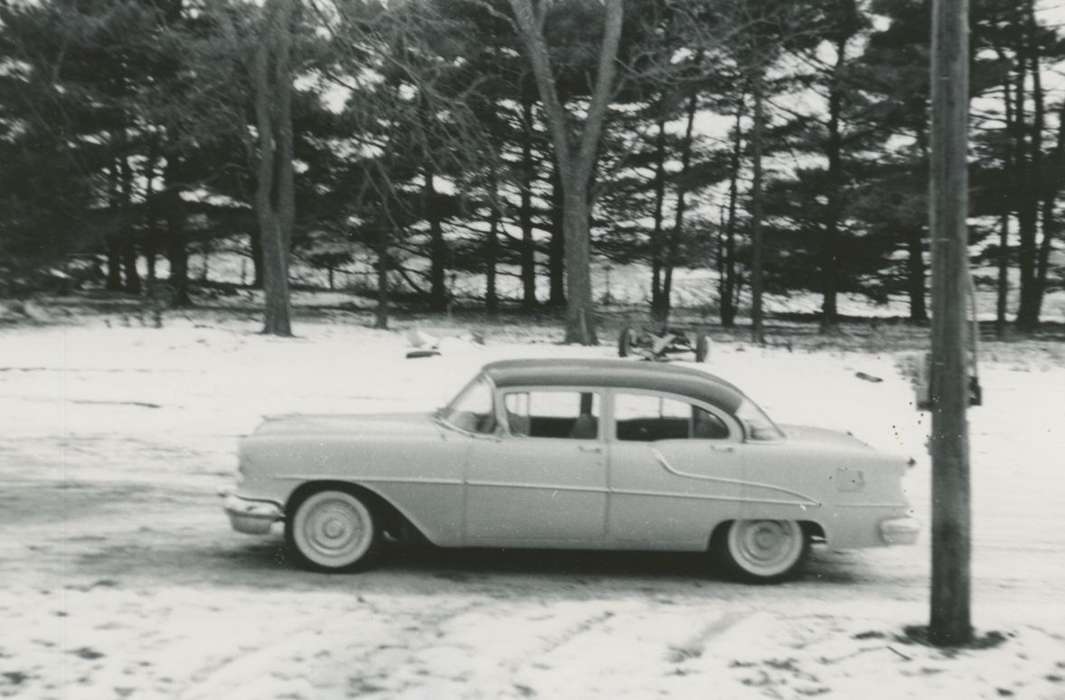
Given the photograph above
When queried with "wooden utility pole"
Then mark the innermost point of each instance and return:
(950, 618)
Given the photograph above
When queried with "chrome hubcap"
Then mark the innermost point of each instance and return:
(333, 529)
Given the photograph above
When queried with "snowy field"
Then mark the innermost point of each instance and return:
(121, 578)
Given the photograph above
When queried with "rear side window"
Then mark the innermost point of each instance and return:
(553, 414)
(647, 418)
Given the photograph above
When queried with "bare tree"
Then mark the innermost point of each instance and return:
(275, 188)
(575, 152)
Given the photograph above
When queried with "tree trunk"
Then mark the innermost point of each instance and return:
(114, 264)
(255, 242)
(381, 312)
(677, 232)
(286, 186)
(580, 323)
(176, 250)
(1027, 201)
(950, 622)
(727, 275)
(172, 206)
(273, 112)
(915, 285)
(491, 297)
(129, 266)
(658, 312)
(438, 296)
(1028, 314)
(129, 245)
(1003, 286)
(275, 280)
(556, 251)
(175, 215)
(151, 229)
(739, 289)
(757, 206)
(150, 252)
(1009, 198)
(528, 247)
(113, 240)
(830, 248)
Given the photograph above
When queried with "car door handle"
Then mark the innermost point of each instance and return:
(722, 448)
(596, 449)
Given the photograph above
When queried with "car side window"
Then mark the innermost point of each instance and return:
(708, 426)
(647, 418)
(473, 411)
(553, 414)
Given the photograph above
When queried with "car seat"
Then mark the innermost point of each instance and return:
(586, 427)
(518, 424)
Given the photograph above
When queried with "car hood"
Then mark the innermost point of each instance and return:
(407, 424)
(822, 436)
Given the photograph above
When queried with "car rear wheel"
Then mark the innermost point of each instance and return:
(762, 551)
(333, 530)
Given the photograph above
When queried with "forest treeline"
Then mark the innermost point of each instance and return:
(783, 145)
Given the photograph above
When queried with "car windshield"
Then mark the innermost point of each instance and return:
(757, 424)
(472, 409)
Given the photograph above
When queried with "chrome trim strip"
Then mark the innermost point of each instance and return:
(370, 479)
(710, 497)
(632, 492)
(738, 482)
(542, 487)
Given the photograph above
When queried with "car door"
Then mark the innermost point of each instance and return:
(676, 469)
(542, 481)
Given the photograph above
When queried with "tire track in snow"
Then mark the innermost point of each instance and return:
(696, 645)
(387, 646)
(261, 671)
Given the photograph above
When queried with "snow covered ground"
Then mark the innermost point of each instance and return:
(120, 576)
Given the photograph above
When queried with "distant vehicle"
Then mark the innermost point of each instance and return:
(574, 454)
(660, 344)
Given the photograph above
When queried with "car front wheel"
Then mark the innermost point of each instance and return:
(333, 530)
(762, 551)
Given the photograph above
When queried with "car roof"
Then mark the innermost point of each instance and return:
(625, 374)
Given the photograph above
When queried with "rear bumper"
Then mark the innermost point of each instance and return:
(249, 516)
(900, 530)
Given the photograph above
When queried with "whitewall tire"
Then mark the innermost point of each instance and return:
(333, 530)
(762, 551)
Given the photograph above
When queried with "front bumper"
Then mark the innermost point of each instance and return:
(900, 530)
(249, 516)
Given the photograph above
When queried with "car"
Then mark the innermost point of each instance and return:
(572, 454)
